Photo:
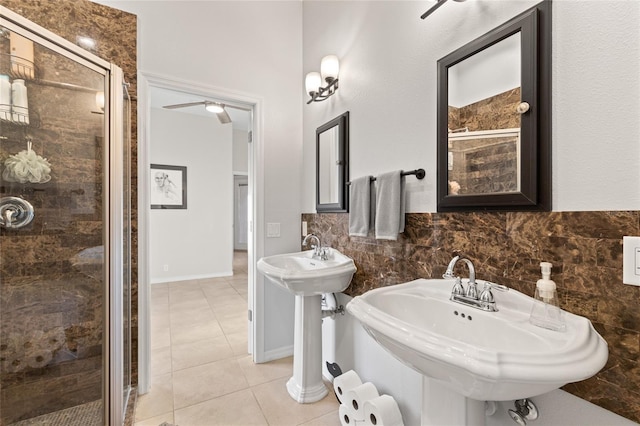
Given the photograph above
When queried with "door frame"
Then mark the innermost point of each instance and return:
(239, 180)
(255, 243)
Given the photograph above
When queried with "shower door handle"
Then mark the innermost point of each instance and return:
(8, 215)
(15, 212)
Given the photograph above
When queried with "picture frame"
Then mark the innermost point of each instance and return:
(168, 187)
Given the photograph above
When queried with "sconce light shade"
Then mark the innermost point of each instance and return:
(329, 68)
(312, 83)
(100, 100)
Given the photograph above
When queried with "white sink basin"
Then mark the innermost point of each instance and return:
(304, 275)
(308, 278)
(487, 356)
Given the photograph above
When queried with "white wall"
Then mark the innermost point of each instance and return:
(196, 242)
(258, 54)
(240, 151)
(388, 82)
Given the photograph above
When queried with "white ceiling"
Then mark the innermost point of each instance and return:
(160, 97)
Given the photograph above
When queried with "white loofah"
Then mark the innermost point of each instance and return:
(27, 167)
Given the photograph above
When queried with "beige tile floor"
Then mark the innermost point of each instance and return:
(201, 374)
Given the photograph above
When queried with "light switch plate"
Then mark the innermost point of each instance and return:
(631, 260)
(273, 230)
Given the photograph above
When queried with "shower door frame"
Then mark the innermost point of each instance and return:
(113, 219)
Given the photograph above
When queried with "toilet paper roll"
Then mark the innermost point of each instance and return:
(356, 398)
(346, 416)
(382, 411)
(344, 383)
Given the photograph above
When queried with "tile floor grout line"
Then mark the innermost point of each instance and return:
(218, 312)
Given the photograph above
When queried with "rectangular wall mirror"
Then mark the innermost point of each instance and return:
(332, 165)
(494, 118)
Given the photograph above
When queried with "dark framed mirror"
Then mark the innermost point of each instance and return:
(494, 119)
(332, 165)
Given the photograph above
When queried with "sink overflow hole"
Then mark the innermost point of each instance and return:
(463, 315)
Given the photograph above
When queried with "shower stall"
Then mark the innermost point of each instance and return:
(64, 231)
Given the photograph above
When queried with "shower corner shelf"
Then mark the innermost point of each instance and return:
(17, 67)
(18, 119)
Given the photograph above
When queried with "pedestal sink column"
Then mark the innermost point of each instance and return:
(306, 385)
(442, 406)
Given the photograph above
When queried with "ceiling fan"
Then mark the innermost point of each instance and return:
(213, 107)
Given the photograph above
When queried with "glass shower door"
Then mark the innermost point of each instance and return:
(56, 275)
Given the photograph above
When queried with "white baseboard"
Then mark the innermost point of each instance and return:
(278, 353)
(190, 277)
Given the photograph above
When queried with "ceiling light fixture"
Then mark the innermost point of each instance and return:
(329, 69)
(214, 107)
(217, 108)
(435, 7)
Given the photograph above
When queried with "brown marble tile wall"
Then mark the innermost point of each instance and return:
(584, 247)
(39, 269)
(496, 112)
(483, 166)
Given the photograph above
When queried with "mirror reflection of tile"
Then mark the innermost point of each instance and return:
(484, 145)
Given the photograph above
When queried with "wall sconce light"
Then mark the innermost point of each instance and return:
(329, 69)
(100, 100)
(435, 7)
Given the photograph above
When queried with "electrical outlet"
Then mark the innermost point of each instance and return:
(166, 268)
(304, 228)
(631, 260)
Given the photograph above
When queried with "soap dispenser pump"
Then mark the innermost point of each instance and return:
(546, 312)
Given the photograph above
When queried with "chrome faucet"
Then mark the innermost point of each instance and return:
(318, 251)
(472, 288)
(470, 297)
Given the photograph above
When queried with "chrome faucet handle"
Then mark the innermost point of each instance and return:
(458, 288)
(495, 286)
(324, 253)
(487, 295)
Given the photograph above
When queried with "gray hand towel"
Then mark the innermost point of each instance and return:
(390, 205)
(360, 206)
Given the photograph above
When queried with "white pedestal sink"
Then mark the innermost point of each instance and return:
(308, 277)
(469, 356)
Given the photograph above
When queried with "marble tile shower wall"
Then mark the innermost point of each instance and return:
(584, 247)
(59, 300)
(115, 33)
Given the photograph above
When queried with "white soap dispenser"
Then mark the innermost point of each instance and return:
(546, 312)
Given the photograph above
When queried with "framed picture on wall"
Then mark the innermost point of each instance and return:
(168, 187)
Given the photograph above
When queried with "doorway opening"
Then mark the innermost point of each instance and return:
(242, 125)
